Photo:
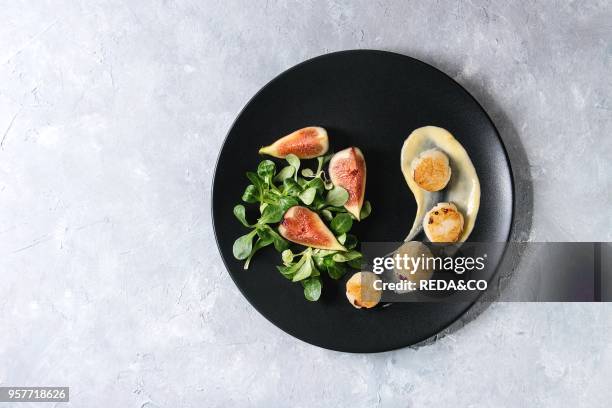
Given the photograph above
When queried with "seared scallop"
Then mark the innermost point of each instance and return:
(361, 292)
(463, 188)
(413, 272)
(431, 170)
(443, 223)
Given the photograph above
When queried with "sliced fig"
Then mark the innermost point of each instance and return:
(347, 169)
(306, 143)
(305, 227)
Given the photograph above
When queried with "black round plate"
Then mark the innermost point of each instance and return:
(373, 100)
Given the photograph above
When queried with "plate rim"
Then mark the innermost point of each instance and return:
(511, 231)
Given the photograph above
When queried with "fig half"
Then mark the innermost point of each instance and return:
(306, 143)
(305, 227)
(347, 169)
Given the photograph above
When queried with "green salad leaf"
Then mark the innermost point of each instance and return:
(251, 194)
(243, 246)
(342, 223)
(337, 196)
(293, 161)
(307, 196)
(312, 288)
(365, 210)
(274, 192)
(284, 174)
(240, 213)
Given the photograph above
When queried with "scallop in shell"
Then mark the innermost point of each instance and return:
(421, 156)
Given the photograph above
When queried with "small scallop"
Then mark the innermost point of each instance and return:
(360, 290)
(431, 170)
(423, 270)
(443, 223)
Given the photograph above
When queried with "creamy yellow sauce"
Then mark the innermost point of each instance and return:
(463, 189)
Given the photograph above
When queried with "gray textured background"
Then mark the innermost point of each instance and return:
(111, 117)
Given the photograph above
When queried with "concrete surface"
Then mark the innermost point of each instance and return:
(111, 117)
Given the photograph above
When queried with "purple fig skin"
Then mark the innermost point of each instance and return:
(305, 227)
(347, 169)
